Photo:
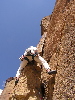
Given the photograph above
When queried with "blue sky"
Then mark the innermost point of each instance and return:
(19, 29)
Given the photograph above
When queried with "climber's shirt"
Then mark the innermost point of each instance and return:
(32, 51)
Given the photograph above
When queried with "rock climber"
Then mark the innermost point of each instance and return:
(1, 91)
(32, 54)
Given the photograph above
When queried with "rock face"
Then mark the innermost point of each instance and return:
(57, 46)
(59, 49)
(28, 87)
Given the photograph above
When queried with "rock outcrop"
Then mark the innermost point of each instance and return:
(57, 46)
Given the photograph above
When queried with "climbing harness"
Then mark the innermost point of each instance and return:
(26, 59)
(30, 54)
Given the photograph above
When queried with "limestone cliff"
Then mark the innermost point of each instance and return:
(57, 46)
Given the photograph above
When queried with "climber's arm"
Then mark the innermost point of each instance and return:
(22, 58)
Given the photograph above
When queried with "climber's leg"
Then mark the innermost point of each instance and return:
(43, 62)
(22, 65)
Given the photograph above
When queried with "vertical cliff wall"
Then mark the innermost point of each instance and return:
(57, 47)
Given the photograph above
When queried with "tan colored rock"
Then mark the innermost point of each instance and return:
(59, 50)
(57, 46)
(28, 87)
(40, 45)
(44, 24)
(8, 91)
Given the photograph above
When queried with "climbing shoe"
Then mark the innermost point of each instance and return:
(52, 72)
(16, 81)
